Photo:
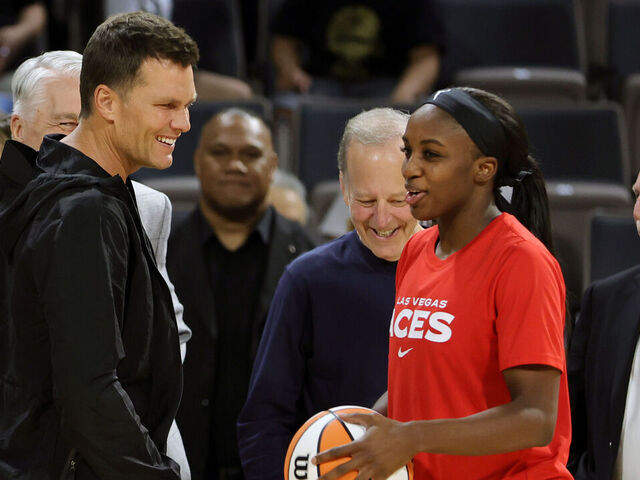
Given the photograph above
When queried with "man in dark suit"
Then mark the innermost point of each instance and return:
(604, 377)
(225, 260)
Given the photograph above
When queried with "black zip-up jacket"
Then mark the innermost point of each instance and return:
(89, 355)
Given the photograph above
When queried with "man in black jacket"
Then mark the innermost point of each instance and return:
(90, 375)
(225, 261)
(603, 366)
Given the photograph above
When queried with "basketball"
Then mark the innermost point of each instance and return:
(321, 432)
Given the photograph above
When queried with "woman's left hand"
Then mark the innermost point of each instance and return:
(385, 447)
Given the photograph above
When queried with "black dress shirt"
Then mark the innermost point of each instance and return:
(236, 279)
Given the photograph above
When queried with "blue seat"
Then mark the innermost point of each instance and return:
(613, 245)
(6, 102)
(482, 33)
(579, 143)
(624, 62)
(583, 155)
(491, 44)
(318, 127)
(624, 36)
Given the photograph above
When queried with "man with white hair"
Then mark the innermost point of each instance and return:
(603, 367)
(46, 100)
(325, 342)
(46, 96)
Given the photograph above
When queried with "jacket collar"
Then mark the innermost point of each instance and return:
(18, 163)
(282, 248)
(59, 158)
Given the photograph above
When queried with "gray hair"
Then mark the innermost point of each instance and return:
(284, 179)
(371, 127)
(28, 80)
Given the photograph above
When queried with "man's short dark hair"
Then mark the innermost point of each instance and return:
(122, 43)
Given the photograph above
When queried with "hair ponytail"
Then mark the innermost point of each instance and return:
(530, 204)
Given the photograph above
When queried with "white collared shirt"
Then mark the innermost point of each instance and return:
(627, 465)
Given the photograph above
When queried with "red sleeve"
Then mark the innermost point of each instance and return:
(530, 302)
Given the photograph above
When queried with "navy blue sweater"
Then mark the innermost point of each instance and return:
(325, 344)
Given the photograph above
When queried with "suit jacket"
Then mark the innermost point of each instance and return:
(155, 214)
(188, 269)
(599, 364)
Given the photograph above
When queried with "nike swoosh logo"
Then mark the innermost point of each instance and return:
(403, 353)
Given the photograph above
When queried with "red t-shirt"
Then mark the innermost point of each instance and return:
(458, 323)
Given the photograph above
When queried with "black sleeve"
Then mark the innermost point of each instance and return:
(81, 269)
(576, 371)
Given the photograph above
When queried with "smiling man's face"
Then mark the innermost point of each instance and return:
(373, 189)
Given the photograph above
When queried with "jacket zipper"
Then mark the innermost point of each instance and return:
(68, 472)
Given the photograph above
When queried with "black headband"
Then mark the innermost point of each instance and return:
(480, 124)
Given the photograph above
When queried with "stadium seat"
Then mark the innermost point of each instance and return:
(570, 214)
(528, 85)
(318, 127)
(583, 155)
(6, 102)
(483, 35)
(182, 190)
(631, 102)
(321, 198)
(217, 28)
(613, 245)
(585, 143)
(624, 38)
(624, 17)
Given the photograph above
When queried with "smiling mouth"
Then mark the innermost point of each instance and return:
(384, 233)
(167, 140)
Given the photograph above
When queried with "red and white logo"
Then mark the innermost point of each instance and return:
(419, 324)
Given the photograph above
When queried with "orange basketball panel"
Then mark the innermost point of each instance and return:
(335, 434)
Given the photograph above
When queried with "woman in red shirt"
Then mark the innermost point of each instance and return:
(477, 380)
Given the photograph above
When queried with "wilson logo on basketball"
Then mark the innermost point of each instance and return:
(321, 432)
(419, 324)
(300, 465)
